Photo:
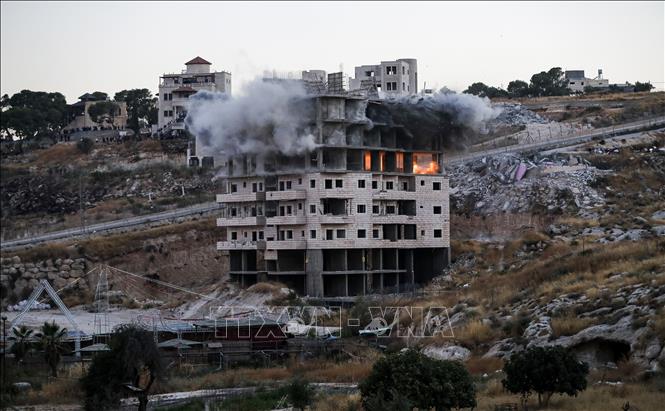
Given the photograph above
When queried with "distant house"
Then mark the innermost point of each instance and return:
(176, 88)
(81, 120)
(577, 81)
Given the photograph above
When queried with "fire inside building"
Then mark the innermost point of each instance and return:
(366, 211)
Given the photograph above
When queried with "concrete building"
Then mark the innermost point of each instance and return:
(577, 81)
(176, 88)
(81, 121)
(367, 211)
(391, 78)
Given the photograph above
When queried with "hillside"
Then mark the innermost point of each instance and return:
(62, 187)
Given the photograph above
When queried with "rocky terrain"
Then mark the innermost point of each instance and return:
(589, 274)
(59, 187)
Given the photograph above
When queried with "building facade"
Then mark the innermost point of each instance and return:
(577, 81)
(175, 90)
(81, 120)
(391, 78)
(366, 212)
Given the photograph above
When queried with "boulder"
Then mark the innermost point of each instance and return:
(658, 215)
(449, 352)
(539, 331)
(658, 230)
(652, 349)
(503, 349)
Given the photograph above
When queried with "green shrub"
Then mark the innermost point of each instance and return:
(411, 379)
(85, 145)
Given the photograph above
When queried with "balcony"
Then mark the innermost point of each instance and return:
(287, 220)
(241, 245)
(393, 219)
(287, 245)
(241, 221)
(286, 195)
(336, 219)
(337, 193)
(241, 197)
(393, 195)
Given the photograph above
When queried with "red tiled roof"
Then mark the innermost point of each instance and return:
(197, 60)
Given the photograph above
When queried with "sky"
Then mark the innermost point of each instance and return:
(78, 47)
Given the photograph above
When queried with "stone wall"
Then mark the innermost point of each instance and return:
(18, 279)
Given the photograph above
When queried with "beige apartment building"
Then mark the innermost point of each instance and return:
(366, 212)
(176, 88)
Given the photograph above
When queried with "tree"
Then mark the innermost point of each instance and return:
(518, 88)
(482, 90)
(51, 339)
(85, 145)
(30, 114)
(140, 105)
(299, 392)
(643, 86)
(549, 83)
(100, 95)
(133, 363)
(545, 371)
(419, 381)
(477, 89)
(103, 110)
(21, 340)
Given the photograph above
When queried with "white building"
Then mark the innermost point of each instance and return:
(577, 82)
(366, 212)
(175, 90)
(391, 78)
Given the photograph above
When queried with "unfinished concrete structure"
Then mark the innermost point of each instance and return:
(365, 212)
(390, 78)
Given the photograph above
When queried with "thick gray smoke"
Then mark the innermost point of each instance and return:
(454, 118)
(278, 118)
(466, 110)
(271, 117)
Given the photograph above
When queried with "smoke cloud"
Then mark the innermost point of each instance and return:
(278, 118)
(454, 118)
(271, 117)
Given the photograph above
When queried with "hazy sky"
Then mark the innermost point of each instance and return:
(75, 47)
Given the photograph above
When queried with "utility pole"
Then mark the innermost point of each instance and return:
(81, 201)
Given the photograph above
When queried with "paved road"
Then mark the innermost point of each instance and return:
(112, 225)
(606, 132)
(207, 207)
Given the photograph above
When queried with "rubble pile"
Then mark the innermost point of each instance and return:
(516, 115)
(509, 183)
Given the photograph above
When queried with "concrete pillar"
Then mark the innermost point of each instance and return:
(346, 284)
(409, 268)
(314, 270)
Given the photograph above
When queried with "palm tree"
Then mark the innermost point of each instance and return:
(21, 340)
(51, 338)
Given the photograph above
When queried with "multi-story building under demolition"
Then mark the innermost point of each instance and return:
(366, 211)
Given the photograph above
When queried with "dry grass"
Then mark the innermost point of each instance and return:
(482, 365)
(339, 402)
(659, 327)
(642, 397)
(569, 325)
(315, 371)
(106, 247)
(474, 334)
(266, 288)
(58, 154)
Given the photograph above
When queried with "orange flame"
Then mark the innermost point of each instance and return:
(425, 164)
(432, 168)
